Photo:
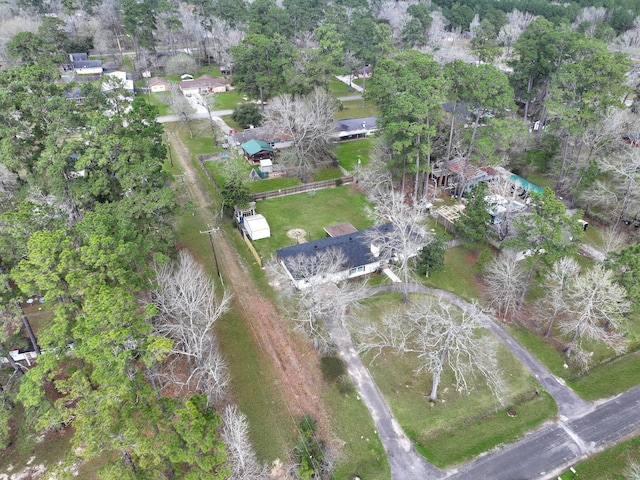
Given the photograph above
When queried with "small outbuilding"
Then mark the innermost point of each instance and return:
(256, 227)
(256, 150)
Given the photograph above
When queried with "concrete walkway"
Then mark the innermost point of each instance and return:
(404, 461)
(348, 79)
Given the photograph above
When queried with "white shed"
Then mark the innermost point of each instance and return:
(256, 227)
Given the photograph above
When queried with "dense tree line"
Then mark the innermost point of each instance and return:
(86, 219)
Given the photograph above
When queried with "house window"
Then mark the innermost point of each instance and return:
(357, 270)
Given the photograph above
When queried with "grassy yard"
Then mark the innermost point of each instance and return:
(460, 425)
(269, 184)
(311, 212)
(160, 100)
(228, 119)
(457, 275)
(340, 89)
(225, 101)
(348, 153)
(202, 141)
(362, 453)
(607, 465)
(354, 109)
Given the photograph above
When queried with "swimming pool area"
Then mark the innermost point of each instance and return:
(526, 184)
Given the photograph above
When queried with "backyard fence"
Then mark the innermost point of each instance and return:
(255, 254)
(307, 187)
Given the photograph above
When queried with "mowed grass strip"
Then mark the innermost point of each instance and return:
(608, 465)
(337, 88)
(460, 425)
(362, 454)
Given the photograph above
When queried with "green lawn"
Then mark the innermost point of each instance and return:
(460, 425)
(327, 174)
(607, 465)
(202, 140)
(311, 212)
(160, 100)
(225, 101)
(348, 153)
(340, 89)
(269, 184)
(361, 454)
(228, 119)
(354, 109)
(457, 275)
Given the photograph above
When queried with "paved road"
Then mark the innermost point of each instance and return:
(550, 451)
(405, 463)
(582, 429)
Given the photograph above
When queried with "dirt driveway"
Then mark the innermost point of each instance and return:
(293, 361)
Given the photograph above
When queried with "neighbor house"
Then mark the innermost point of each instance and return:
(117, 79)
(276, 141)
(632, 139)
(352, 128)
(305, 263)
(203, 85)
(362, 72)
(158, 85)
(256, 150)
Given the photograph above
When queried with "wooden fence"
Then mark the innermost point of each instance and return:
(252, 249)
(307, 187)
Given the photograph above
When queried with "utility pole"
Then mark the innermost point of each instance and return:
(213, 249)
(169, 149)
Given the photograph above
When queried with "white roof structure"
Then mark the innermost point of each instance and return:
(256, 227)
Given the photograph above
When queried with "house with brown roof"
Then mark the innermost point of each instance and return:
(203, 85)
(157, 84)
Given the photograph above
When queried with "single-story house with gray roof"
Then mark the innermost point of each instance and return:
(352, 128)
(304, 265)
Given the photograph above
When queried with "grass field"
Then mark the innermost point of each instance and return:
(340, 89)
(348, 153)
(460, 425)
(310, 212)
(354, 109)
(160, 100)
(225, 101)
(457, 275)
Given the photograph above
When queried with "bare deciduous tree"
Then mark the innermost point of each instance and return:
(517, 23)
(441, 336)
(325, 293)
(596, 308)
(242, 458)
(613, 240)
(505, 279)
(407, 237)
(181, 107)
(557, 282)
(619, 192)
(181, 64)
(632, 472)
(188, 308)
(308, 122)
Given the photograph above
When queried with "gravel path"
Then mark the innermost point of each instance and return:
(294, 362)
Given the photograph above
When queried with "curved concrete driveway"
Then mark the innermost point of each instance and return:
(583, 428)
